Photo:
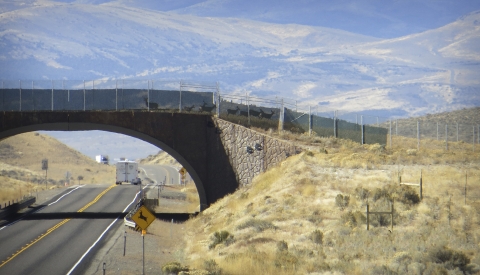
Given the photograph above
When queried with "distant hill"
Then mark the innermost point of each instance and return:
(161, 158)
(21, 170)
(466, 119)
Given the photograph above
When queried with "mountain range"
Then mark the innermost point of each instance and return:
(327, 68)
(392, 59)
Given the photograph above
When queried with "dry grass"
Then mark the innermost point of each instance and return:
(21, 159)
(289, 202)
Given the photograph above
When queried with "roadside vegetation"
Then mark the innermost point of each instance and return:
(21, 166)
(308, 215)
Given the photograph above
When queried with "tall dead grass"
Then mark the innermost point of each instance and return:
(299, 196)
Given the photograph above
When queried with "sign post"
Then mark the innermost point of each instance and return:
(45, 167)
(143, 218)
(183, 173)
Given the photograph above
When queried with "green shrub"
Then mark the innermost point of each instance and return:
(282, 246)
(221, 237)
(285, 260)
(317, 237)
(354, 219)
(342, 201)
(362, 193)
(212, 267)
(403, 193)
(258, 225)
(382, 270)
(174, 268)
(449, 258)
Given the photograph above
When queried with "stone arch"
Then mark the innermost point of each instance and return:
(120, 130)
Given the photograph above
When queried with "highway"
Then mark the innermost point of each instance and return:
(61, 237)
(160, 173)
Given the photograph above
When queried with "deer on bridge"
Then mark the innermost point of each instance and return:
(266, 115)
(150, 105)
(232, 111)
(205, 108)
(189, 108)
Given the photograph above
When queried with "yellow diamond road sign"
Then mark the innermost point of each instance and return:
(183, 171)
(143, 218)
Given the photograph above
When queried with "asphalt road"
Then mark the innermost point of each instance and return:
(160, 174)
(60, 238)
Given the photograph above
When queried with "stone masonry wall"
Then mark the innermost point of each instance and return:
(247, 163)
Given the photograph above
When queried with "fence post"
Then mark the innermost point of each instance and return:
(84, 95)
(446, 137)
(52, 94)
(20, 95)
(281, 117)
(437, 131)
(421, 186)
(368, 218)
(457, 131)
(465, 198)
(180, 101)
(390, 134)
(248, 107)
(116, 94)
(362, 128)
(473, 140)
(218, 100)
(393, 201)
(418, 135)
(310, 120)
(335, 124)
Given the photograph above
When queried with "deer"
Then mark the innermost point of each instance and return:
(266, 115)
(255, 113)
(204, 107)
(189, 108)
(232, 111)
(150, 105)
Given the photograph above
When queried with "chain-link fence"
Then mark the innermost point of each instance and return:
(434, 134)
(273, 113)
(107, 95)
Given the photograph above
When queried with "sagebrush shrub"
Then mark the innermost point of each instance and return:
(282, 246)
(317, 237)
(449, 258)
(221, 237)
(342, 201)
(173, 268)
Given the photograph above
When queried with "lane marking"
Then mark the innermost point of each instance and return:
(12, 223)
(53, 228)
(100, 237)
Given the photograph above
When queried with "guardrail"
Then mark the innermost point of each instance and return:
(15, 207)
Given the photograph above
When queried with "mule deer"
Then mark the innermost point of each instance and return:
(150, 105)
(189, 108)
(205, 108)
(232, 111)
(266, 115)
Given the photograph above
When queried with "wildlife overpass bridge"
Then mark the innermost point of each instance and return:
(219, 155)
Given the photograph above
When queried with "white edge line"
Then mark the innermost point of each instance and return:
(64, 195)
(100, 237)
(1, 228)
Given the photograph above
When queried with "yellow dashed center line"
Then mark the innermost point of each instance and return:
(54, 227)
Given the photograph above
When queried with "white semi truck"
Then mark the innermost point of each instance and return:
(127, 171)
(101, 159)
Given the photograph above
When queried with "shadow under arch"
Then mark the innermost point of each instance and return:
(87, 126)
